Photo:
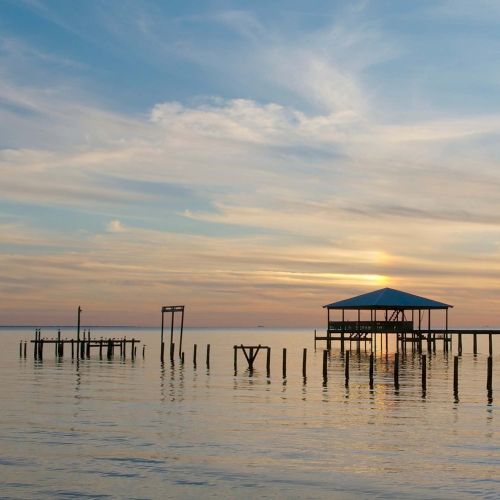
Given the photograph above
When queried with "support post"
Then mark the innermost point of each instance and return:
(459, 344)
(268, 362)
(208, 355)
(346, 361)
(284, 362)
(489, 377)
(474, 343)
(162, 344)
(490, 344)
(424, 372)
(325, 363)
(396, 370)
(235, 354)
(182, 329)
(455, 375)
(195, 352)
(371, 370)
(78, 332)
(304, 362)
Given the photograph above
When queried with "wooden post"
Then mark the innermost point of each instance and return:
(182, 329)
(358, 348)
(143, 351)
(124, 343)
(455, 375)
(325, 362)
(25, 347)
(396, 370)
(304, 362)
(328, 333)
(78, 332)
(133, 348)
(459, 344)
(268, 362)
(182, 357)
(474, 343)
(88, 344)
(347, 356)
(490, 344)
(162, 344)
(371, 370)
(424, 372)
(235, 354)
(41, 348)
(314, 338)
(21, 349)
(72, 348)
(195, 352)
(208, 355)
(172, 336)
(284, 362)
(489, 377)
(172, 349)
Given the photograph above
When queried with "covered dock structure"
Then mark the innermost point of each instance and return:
(390, 311)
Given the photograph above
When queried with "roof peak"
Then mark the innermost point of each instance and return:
(388, 298)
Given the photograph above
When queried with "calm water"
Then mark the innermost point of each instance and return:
(133, 429)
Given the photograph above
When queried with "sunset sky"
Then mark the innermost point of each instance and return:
(251, 160)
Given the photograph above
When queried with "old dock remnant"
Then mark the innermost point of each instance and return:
(172, 310)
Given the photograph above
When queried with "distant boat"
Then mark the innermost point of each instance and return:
(260, 326)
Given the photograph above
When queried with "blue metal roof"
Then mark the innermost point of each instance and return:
(388, 298)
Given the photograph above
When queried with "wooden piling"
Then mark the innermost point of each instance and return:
(235, 355)
(304, 362)
(474, 343)
(489, 376)
(455, 375)
(41, 349)
(88, 344)
(490, 344)
(284, 362)
(208, 355)
(325, 365)
(424, 372)
(195, 352)
(371, 370)
(346, 361)
(110, 349)
(182, 357)
(268, 362)
(72, 348)
(162, 351)
(459, 344)
(21, 349)
(143, 351)
(133, 349)
(100, 349)
(396, 370)
(25, 348)
(172, 350)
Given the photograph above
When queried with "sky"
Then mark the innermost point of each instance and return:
(251, 160)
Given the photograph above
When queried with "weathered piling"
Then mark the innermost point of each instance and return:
(284, 362)
(371, 370)
(489, 376)
(455, 375)
(72, 348)
(182, 357)
(100, 349)
(347, 356)
(235, 361)
(424, 372)
(172, 350)
(208, 355)
(162, 352)
(110, 349)
(474, 343)
(88, 344)
(490, 344)
(325, 365)
(304, 362)
(195, 351)
(21, 349)
(143, 351)
(396, 370)
(459, 344)
(132, 352)
(268, 362)
(25, 348)
(41, 349)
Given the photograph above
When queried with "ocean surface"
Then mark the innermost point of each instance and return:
(124, 428)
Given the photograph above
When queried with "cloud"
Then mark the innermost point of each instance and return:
(115, 226)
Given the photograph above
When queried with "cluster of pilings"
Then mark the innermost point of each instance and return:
(81, 347)
(182, 357)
